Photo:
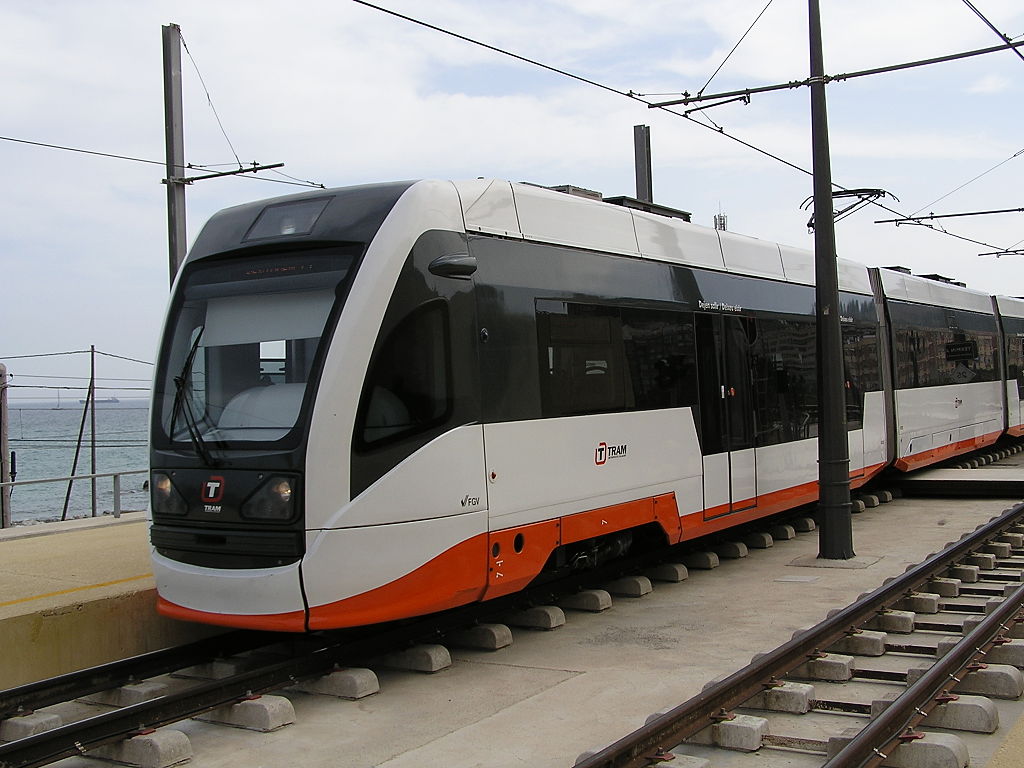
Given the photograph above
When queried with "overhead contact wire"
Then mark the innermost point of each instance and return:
(636, 97)
(728, 55)
(1004, 37)
(1016, 154)
(209, 99)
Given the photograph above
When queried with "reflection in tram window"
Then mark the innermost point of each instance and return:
(1014, 327)
(600, 359)
(408, 389)
(936, 346)
(785, 381)
(862, 372)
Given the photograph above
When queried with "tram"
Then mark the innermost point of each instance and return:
(383, 401)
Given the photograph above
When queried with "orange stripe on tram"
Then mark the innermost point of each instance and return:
(293, 621)
(453, 578)
(518, 555)
(933, 455)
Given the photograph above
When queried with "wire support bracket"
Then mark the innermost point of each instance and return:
(254, 168)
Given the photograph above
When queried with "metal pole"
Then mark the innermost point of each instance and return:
(174, 136)
(5, 453)
(117, 495)
(642, 154)
(835, 539)
(92, 421)
(78, 451)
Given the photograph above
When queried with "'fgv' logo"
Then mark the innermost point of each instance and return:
(604, 452)
(213, 490)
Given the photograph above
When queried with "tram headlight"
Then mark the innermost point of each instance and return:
(275, 500)
(165, 497)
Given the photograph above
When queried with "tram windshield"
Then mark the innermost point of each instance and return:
(242, 343)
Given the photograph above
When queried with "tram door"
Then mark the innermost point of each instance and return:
(727, 413)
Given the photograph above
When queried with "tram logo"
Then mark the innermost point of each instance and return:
(213, 490)
(604, 452)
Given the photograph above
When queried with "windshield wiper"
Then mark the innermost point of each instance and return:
(183, 405)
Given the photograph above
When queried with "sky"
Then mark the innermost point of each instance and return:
(346, 94)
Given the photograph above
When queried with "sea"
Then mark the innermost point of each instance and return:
(44, 437)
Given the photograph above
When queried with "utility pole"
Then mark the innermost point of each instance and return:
(5, 453)
(174, 134)
(835, 539)
(92, 423)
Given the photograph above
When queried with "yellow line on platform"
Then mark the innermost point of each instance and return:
(74, 589)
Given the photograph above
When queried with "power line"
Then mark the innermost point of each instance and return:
(941, 229)
(314, 184)
(122, 357)
(728, 55)
(297, 180)
(914, 219)
(73, 439)
(209, 99)
(489, 47)
(633, 95)
(1018, 153)
(715, 128)
(990, 25)
(82, 151)
(191, 166)
(54, 445)
(73, 378)
(50, 438)
(77, 389)
(688, 99)
(74, 352)
(45, 354)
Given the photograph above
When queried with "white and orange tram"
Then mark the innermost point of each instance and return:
(382, 401)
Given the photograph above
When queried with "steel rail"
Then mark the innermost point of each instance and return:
(324, 652)
(641, 747)
(79, 737)
(876, 740)
(32, 696)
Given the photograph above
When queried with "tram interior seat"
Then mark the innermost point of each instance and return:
(274, 407)
(386, 415)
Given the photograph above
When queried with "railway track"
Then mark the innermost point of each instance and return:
(873, 677)
(125, 701)
(240, 666)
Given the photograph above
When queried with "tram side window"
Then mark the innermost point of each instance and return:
(936, 346)
(1015, 358)
(1015, 352)
(862, 374)
(661, 354)
(408, 389)
(785, 381)
(599, 359)
(584, 367)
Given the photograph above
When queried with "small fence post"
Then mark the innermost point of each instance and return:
(117, 495)
(5, 453)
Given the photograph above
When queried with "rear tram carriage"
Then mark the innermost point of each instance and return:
(383, 401)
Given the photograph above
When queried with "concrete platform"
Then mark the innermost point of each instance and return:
(551, 696)
(77, 594)
(80, 594)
